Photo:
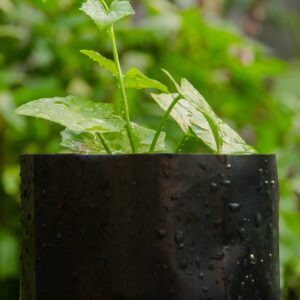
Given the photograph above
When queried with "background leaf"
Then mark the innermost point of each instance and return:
(74, 113)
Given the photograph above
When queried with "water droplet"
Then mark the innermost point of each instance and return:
(242, 232)
(258, 219)
(218, 222)
(174, 197)
(161, 233)
(202, 166)
(183, 264)
(227, 182)
(213, 187)
(252, 259)
(179, 236)
(205, 289)
(228, 166)
(198, 261)
(234, 206)
(208, 213)
(201, 275)
(219, 255)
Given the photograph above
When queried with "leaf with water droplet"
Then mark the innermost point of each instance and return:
(118, 141)
(74, 113)
(104, 18)
(195, 116)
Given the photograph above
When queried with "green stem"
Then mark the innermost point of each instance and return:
(122, 85)
(181, 143)
(105, 144)
(162, 124)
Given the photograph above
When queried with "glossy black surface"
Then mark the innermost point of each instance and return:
(180, 227)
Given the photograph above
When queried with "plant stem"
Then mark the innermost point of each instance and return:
(162, 124)
(181, 143)
(105, 144)
(122, 85)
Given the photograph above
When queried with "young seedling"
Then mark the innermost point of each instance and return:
(92, 127)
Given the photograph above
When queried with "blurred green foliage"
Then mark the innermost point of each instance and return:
(39, 56)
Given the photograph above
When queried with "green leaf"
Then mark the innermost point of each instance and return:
(137, 80)
(103, 62)
(194, 115)
(188, 118)
(118, 142)
(74, 113)
(84, 142)
(105, 18)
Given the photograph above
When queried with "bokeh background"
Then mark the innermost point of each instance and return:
(243, 55)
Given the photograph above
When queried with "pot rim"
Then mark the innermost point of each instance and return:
(271, 155)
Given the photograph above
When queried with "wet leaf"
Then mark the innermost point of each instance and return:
(84, 142)
(118, 142)
(74, 113)
(103, 62)
(194, 114)
(190, 120)
(104, 18)
(137, 80)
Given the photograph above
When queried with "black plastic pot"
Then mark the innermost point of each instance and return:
(149, 227)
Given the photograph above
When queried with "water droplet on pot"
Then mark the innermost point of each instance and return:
(227, 182)
(208, 213)
(234, 206)
(242, 232)
(201, 275)
(228, 166)
(252, 259)
(258, 219)
(179, 236)
(213, 187)
(198, 261)
(202, 166)
(219, 255)
(161, 233)
(183, 264)
(174, 197)
(218, 222)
